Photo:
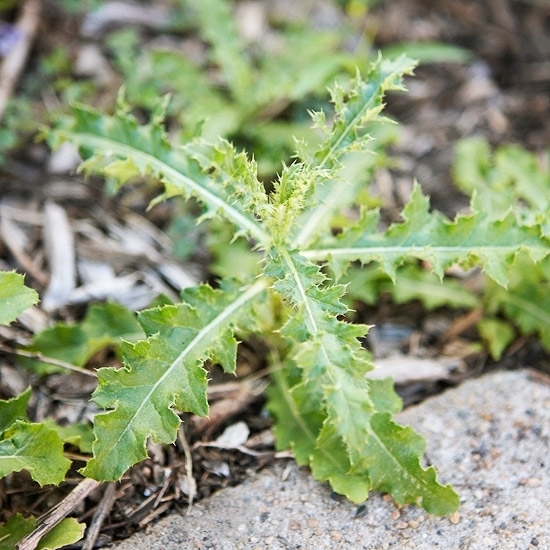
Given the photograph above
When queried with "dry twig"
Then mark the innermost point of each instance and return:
(15, 61)
(105, 506)
(52, 518)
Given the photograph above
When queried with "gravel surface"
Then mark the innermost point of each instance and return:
(489, 438)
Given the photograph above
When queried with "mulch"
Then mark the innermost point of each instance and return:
(78, 245)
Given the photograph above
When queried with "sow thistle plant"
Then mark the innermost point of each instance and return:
(307, 230)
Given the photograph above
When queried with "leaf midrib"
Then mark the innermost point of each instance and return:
(256, 288)
(100, 143)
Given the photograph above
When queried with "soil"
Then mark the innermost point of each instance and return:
(501, 92)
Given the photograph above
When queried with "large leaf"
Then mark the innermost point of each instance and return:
(370, 450)
(125, 150)
(472, 239)
(164, 374)
(15, 297)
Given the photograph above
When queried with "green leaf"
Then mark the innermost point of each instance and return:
(526, 302)
(388, 462)
(472, 239)
(391, 457)
(164, 374)
(103, 325)
(508, 177)
(299, 417)
(120, 138)
(14, 409)
(428, 52)
(35, 448)
(80, 434)
(497, 335)
(16, 528)
(67, 531)
(357, 113)
(228, 50)
(15, 297)
(412, 282)
(106, 324)
(68, 343)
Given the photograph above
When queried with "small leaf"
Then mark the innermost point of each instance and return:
(228, 49)
(526, 302)
(68, 343)
(14, 409)
(80, 434)
(330, 462)
(497, 335)
(67, 531)
(35, 448)
(103, 325)
(298, 417)
(15, 297)
(428, 52)
(412, 282)
(108, 324)
(16, 528)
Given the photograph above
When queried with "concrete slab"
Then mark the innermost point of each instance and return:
(489, 438)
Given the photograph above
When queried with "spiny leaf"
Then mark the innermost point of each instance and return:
(15, 297)
(391, 458)
(35, 448)
(361, 104)
(526, 302)
(328, 352)
(357, 113)
(119, 145)
(468, 240)
(231, 171)
(228, 49)
(164, 374)
(412, 282)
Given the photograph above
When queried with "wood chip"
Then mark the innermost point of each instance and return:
(59, 242)
(406, 369)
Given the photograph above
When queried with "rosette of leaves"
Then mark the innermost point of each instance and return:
(305, 231)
